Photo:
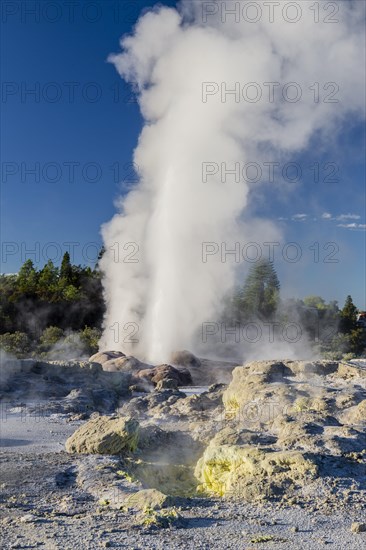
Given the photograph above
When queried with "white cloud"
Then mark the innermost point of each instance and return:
(326, 216)
(345, 217)
(299, 217)
(352, 225)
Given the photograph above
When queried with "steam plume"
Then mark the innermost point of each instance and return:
(170, 291)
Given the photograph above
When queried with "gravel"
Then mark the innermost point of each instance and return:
(44, 506)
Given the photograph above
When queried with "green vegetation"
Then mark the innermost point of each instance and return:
(348, 317)
(259, 297)
(349, 340)
(57, 312)
(331, 331)
(51, 308)
(54, 343)
(161, 518)
(16, 343)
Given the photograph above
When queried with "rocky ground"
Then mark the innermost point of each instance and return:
(112, 452)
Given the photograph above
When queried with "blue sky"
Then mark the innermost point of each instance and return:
(78, 131)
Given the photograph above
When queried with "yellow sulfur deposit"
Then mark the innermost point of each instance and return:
(105, 435)
(249, 472)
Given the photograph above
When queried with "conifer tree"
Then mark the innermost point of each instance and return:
(260, 295)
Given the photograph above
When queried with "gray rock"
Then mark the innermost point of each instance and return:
(148, 498)
(358, 527)
(185, 359)
(103, 356)
(105, 435)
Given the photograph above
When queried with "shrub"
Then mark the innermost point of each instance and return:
(16, 343)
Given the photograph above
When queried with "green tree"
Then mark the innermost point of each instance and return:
(260, 295)
(49, 337)
(319, 319)
(32, 300)
(348, 339)
(70, 293)
(90, 338)
(348, 317)
(100, 256)
(315, 301)
(48, 282)
(66, 269)
(27, 279)
(357, 341)
(8, 285)
(351, 344)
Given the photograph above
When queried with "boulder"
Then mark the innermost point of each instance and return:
(203, 403)
(123, 363)
(151, 499)
(157, 374)
(104, 356)
(105, 435)
(185, 359)
(154, 404)
(212, 372)
(230, 435)
(259, 392)
(251, 473)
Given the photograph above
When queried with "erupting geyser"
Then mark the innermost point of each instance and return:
(217, 90)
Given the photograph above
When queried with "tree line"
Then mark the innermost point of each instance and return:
(39, 308)
(335, 333)
(58, 311)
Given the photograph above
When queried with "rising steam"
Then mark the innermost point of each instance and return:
(160, 294)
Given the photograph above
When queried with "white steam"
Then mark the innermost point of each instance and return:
(169, 291)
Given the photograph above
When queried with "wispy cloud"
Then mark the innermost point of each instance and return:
(299, 217)
(361, 226)
(327, 216)
(345, 217)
